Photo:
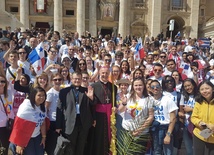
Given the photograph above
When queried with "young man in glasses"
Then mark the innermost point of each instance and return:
(75, 105)
(158, 71)
(64, 48)
(52, 54)
(163, 59)
(165, 118)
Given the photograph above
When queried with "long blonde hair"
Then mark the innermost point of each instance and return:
(36, 83)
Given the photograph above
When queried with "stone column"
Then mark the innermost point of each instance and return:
(24, 14)
(122, 18)
(128, 18)
(93, 17)
(194, 18)
(156, 17)
(2, 6)
(81, 17)
(58, 18)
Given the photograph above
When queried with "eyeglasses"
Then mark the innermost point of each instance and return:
(54, 40)
(53, 52)
(85, 78)
(157, 70)
(82, 64)
(107, 60)
(22, 52)
(80, 51)
(170, 80)
(157, 87)
(162, 56)
(57, 80)
(66, 60)
(2, 81)
(70, 49)
(170, 64)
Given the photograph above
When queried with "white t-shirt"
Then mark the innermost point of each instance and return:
(173, 96)
(27, 112)
(63, 50)
(52, 97)
(10, 79)
(163, 109)
(136, 114)
(3, 117)
(25, 65)
(191, 104)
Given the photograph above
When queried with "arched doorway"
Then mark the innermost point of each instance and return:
(42, 26)
(178, 26)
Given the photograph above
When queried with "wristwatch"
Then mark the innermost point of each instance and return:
(168, 134)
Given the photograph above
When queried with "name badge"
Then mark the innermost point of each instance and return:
(77, 108)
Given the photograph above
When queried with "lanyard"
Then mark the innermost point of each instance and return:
(76, 94)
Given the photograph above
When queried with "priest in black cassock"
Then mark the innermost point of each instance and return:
(103, 98)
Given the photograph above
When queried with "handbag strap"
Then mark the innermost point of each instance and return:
(3, 106)
(11, 73)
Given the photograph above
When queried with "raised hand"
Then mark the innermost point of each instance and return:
(12, 45)
(90, 92)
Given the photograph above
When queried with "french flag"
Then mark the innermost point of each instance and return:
(37, 59)
(24, 124)
(204, 43)
(139, 50)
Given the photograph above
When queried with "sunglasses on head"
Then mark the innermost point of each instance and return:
(157, 87)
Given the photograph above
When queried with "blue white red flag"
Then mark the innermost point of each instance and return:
(204, 43)
(37, 59)
(139, 50)
(184, 68)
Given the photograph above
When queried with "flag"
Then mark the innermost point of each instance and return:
(204, 43)
(24, 124)
(184, 68)
(37, 59)
(178, 34)
(139, 50)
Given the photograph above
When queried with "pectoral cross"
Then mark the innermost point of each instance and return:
(107, 100)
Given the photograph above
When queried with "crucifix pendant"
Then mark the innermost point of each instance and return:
(107, 100)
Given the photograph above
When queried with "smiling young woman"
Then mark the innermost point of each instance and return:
(202, 118)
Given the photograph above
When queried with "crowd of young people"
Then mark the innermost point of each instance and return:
(164, 99)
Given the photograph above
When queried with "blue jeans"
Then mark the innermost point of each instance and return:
(187, 137)
(158, 141)
(34, 147)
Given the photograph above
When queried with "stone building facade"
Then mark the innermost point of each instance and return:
(193, 18)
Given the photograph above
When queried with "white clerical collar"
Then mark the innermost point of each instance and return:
(103, 82)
